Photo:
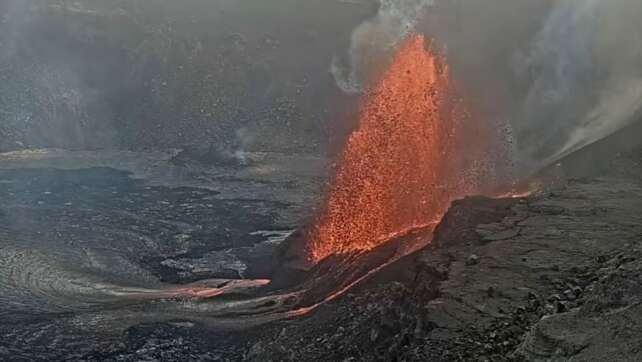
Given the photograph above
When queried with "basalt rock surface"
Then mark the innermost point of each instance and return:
(553, 277)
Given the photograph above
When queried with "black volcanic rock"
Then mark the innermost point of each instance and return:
(565, 285)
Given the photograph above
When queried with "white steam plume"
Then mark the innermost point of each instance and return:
(586, 72)
(373, 39)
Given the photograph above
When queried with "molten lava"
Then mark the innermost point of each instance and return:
(407, 159)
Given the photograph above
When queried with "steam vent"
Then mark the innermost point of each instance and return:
(350, 180)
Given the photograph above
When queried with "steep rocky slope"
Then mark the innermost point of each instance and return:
(133, 74)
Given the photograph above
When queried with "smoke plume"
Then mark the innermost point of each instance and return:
(586, 78)
(563, 73)
(372, 40)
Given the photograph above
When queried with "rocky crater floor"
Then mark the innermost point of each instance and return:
(553, 277)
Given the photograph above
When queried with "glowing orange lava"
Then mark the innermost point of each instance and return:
(396, 170)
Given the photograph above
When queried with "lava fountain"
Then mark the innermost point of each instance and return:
(413, 151)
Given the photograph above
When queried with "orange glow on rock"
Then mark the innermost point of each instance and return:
(395, 172)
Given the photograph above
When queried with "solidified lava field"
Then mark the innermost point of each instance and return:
(552, 276)
(80, 240)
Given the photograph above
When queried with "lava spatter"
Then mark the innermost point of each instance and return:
(406, 160)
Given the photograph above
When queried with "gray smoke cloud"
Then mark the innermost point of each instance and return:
(586, 78)
(564, 73)
(373, 39)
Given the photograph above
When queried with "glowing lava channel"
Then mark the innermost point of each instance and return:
(406, 160)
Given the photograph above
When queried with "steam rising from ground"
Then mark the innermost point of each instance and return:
(564, 73)
(586, 70)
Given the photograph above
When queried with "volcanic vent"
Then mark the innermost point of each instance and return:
(414, 150)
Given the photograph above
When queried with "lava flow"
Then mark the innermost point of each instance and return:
(414, 150)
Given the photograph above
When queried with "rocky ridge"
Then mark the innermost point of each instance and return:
(549, 278)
